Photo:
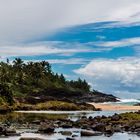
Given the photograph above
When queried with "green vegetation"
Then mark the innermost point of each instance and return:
(57, 105)
(54, 105)
(124, 118)
(20, 118)
(19, 80)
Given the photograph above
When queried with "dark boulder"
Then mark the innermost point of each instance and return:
(115, 117)
(109, 130)
(99, 127)
(46, 129)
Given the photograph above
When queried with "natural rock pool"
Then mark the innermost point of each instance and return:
(21, 119)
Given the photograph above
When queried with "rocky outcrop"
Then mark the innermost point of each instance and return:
(68, 96)
(86, 126)
(5, 131)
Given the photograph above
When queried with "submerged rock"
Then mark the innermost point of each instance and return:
(46, 129)
(66, 133)
(109, 131)
(90, 133)
(70, 139)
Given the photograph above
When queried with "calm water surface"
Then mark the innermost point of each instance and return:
(73, 115)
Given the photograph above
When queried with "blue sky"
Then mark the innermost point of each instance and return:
(80, 38)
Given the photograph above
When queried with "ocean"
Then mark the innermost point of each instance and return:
(125, 102)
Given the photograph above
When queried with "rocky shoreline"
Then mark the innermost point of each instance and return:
(99, 125)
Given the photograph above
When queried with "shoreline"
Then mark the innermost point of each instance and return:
(117, 107)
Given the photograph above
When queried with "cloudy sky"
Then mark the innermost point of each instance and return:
(98, 40)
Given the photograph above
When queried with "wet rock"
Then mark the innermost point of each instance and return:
(66, 125)
(109, 130)
(137, 125)
(86, 126)
(74, 135)
(90, 118)
(99, 127)
(115, 117)
(1, 130)
(90, 133)
(138, 134)
(37, 122)
(117, 128)
(66, 133)
(70, 139)
(138, 112)
(11, 132)
(103, 117)
(97, 118)
(46, 129)
(84, 117)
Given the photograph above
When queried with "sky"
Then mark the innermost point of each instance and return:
(93, 39)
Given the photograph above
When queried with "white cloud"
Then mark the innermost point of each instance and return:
(70, 61)
(65, 48)
(112, 75)
(44, 48)
(21, 20)
(120, 43)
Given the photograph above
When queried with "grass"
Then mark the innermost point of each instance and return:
(57, 105)
(124, 118)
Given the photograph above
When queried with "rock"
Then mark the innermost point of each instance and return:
(138, 112)
(46, 129)
(138, 134)
(66, 125)
(137, 125)
(99, 127)
(137, 104)
(1, 130)
(90, 118)
(66, 133)
(90, 133)
(97, 118)
(8, 131)
(70, 139)
(103, 117)
(117, 128)
(11, 132)
(74, 135)
(115, 117)
(84, 117)
(36, 122)
(109, 130)
(24, 138)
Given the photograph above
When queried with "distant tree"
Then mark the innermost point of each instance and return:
(23, 78)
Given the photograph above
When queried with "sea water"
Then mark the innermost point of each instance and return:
(125, 102)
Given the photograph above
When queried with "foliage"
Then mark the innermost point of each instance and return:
(57, 105)
(20, 79)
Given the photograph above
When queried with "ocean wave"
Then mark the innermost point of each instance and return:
(129, 100)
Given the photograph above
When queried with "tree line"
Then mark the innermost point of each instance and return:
(24, 78)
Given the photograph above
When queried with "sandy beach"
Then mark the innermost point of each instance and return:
(115, 107)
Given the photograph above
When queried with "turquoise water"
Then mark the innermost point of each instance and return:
(125, 102)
